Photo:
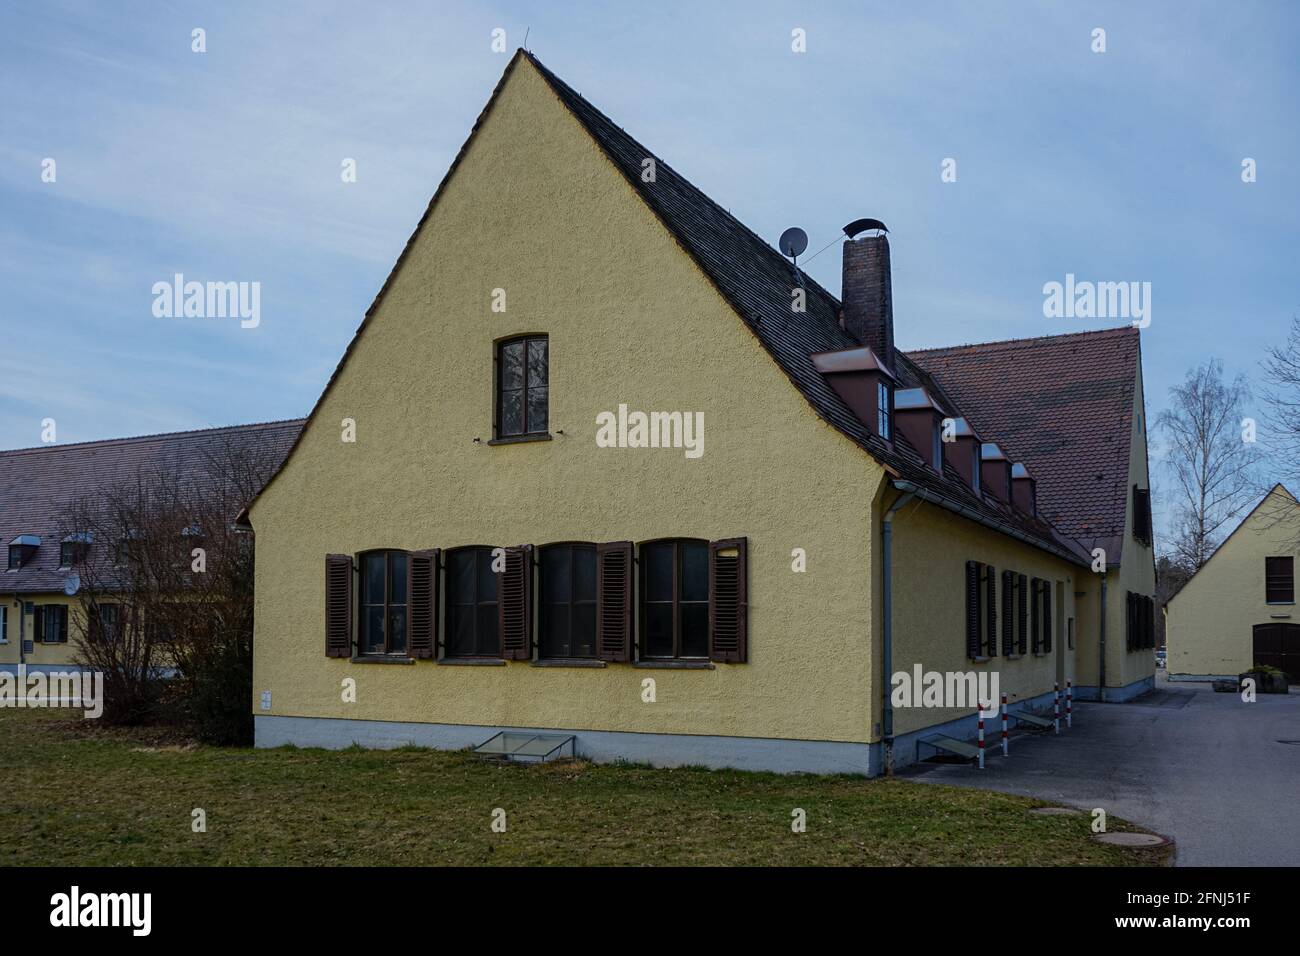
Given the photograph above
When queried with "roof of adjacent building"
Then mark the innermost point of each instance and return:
(1063, 405)
(39, 485)
(756, 280)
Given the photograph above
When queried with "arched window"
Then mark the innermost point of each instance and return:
(523, 380)
(675, 600)
(384, 602)
(567, 620)
(473, 622)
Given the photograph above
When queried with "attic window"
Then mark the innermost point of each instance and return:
(523, 379)
(74, 548)
(1142, 514)
(22, 549)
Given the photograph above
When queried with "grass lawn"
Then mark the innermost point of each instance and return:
(76, 793)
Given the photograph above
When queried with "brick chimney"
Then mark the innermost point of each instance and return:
(867, 295)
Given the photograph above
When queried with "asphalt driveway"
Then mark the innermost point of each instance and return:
(1203, 768)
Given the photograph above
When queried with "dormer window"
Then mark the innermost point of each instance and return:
(22, 550)
(919, 419)
(863, 383)
(997, 471)
(73, 549)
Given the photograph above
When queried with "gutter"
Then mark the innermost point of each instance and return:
(887, 663)
(956, 507)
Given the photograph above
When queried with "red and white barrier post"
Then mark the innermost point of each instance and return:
(981, 726)
(1004, 725)
(1069, 703)
(1056, 708)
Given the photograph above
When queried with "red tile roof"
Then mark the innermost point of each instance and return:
(1063, 405)
(38, 485)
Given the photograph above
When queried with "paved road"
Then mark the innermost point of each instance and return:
(1203, 768)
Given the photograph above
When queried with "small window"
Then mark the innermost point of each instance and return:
(523, 376)
(975, 465)
(54, 628)
(4, 625)
(938, 447)
(675, 600)
(15, 557)
(568, 601)
(106, 622)
(383, 602)
(71, 553)
(882, 409)
(1142, 515)
(1279, 580)
(473, 623)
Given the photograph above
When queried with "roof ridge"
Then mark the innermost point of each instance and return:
(1027, 340)
(152, 437)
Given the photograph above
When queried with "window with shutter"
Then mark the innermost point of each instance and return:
(1142, 514)
(516, 604)
(1048, 622)
(1008, 613)
(972, 609)
(338, 605)
(614, 601)
(675, 600)
(728, 601)
(567, 604)
(1279, 580)
(38, 623)
(384, 608)
(990, 611)
(1022, 613)
(423, 603)
(1035, 615)
(473, 615)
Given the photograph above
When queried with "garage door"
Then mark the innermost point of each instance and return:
(1278, 645)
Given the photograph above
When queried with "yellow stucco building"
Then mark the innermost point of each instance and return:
(1239, 609)
(600, 462)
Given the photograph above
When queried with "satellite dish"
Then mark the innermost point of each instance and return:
(793, 242)
(71, 584)
(862, 225)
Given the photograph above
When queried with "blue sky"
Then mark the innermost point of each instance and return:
(1124, 165)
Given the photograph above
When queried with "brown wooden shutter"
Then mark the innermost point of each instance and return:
(1008, 613)
(728, 601)
(1035, 618)
(422, 600)
(338, 605)
(515, 604)
(1022, 612)
(1047, 617)
(1130, 628)
(614, 601)
(38, 623)
(972, 609)
(991, 618)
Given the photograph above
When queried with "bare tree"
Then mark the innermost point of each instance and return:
(1211, 465)
(166, 598)
(1282, 373)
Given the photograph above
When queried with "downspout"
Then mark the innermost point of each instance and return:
(1101, 667)
(887, 664)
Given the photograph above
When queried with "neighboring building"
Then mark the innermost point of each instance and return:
(39, 612)
(1239, 609)
(565, 280)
